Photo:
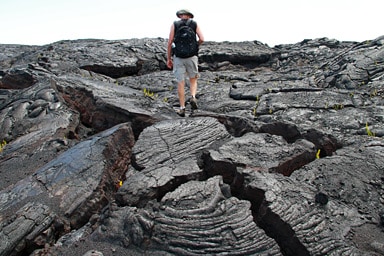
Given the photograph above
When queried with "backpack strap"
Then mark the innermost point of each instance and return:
(190, 23)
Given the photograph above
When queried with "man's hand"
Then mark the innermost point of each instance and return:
(169, 63)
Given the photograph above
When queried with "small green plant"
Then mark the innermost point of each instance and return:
(2, 145)
(373, 93)
(318, 154)
(369, 133)
(165, 100)
(148, 93)
(338, 106)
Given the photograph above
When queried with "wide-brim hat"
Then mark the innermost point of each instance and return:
(183, 11)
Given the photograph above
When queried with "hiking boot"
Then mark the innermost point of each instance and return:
(193, 102)
(181, 112)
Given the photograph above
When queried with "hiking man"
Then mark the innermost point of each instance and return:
(182, 55)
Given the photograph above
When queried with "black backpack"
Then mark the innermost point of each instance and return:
(185, 41)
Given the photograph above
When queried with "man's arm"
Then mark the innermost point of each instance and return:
(200, 35)
(169, 48)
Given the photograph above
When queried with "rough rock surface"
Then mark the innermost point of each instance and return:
(283, 157)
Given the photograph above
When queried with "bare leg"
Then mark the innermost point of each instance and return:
(193, 86)
(193, 90)
(180, 92)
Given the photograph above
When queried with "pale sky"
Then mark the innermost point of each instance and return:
(39, 22)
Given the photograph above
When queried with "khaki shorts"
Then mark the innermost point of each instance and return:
(185, 67)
